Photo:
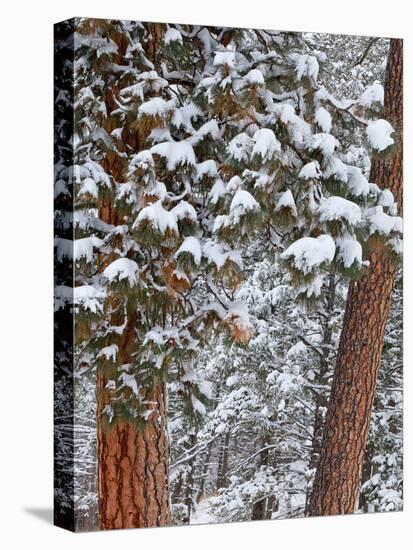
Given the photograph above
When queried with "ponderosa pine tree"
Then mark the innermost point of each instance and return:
(189, 141)
(337, 482)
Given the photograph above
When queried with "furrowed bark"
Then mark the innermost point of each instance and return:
(337, 481)
(132, 471)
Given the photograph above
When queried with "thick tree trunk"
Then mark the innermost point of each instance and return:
(132, 470)
(337, 480)
(133, 459)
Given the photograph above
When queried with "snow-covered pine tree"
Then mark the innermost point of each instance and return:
(189, 142)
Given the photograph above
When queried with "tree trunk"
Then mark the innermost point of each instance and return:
(337, 480)
(259, 507)
(321, 400)
(189, 490)
(133, 459)
(223, 463)
(201, 488)
(132, 469)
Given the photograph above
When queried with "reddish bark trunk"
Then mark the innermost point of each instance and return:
(132, 471)
(337, 480)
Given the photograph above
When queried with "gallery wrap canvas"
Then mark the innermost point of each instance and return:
(228, 275)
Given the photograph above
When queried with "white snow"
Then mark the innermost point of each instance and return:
(78, 249)
(184, 211)
(158, 217)
(286, 200)
(232, 380)
(297, 349)
(349, 251)
(60, 188)
(233, 185)
(379, 134)
(312, 288)
(323, 119)
(217, 191)
(183, 116)
(286, 112)
(86, 296)
(386, 198)
(224, 58)
(206, 388)
(109, 353)
(265, 144)
(172, 35)
(156, 107)
(121, 269)
(129, 380)
(193, 247)
(117, 133)
(162, 220)
(158, 190)
(217, 254)
(175, 153)
(396, 244)
(336, 168)
(155, 335)
(83, 248)
(326, 143)
(89, 186)
(143, 160)
(89, 297)
(220, 221)
(350, 175)
(152, 81)
(306, 65)
(203, 512)
(64, 249)
(198, 405)
(206, 168)
(239, 147)
(336, 208)
(241, 203)
(310, 170)
(238, 315)
(125, 192)
(382, 223)
(310, 252)
(255, 77)
(89, 169)
(356, 181)
(210, 128)
(372, 94)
